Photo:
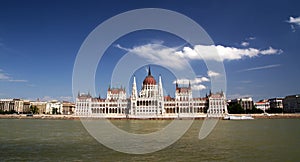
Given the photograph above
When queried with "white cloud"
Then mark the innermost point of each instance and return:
(245, 44)
(7, 78)
(192, 81)
(271, 51)
(198, 87)
(225, 53)
(294, 21)
(172, 57)
(195, 83)
(200, 80)
(246, 81)
(261, 67)
(293, 28)
(212, 73)
(251, 38)
(4, 76)
(182, 81)
(159, 54)
(17, 80)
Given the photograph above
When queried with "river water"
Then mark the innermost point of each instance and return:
(67, 140)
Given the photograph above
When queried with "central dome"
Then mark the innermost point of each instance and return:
(149, 80)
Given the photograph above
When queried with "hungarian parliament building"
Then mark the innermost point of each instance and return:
(150, 102)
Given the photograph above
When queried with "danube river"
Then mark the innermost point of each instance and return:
(67, 140)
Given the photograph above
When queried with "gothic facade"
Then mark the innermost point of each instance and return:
(151, 102)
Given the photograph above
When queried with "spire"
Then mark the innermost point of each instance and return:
(176, 84)
(149, 71)
(189, 84)
(160, 86)
(134, 81)
(134, 89)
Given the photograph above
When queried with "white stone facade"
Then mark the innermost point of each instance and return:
(54, 107)
(150, 102)
(217, 104)
(263, 105)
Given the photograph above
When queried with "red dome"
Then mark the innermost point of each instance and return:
(149, 80)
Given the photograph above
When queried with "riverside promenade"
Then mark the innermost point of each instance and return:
(73, 117)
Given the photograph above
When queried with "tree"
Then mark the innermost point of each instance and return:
(255, 110)
(235, 109)
(274, 110)
(34, 109)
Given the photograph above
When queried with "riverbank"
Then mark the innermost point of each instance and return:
(38, 116)
(275, 116)
(72, 117)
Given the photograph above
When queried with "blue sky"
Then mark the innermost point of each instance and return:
(39, 41)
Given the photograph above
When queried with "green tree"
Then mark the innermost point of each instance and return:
(34, 109)
(255, 110)
(235, 109)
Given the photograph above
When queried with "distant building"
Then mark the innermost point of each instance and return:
(245, 102)
(276, 103)
(41, 105)
(23, 106)
(263, 105)
(150, 102)
(18, 105)
(291, 104)
(26, 106)
(7, 104)
(68, 108)
(217, 104)
(54, 107)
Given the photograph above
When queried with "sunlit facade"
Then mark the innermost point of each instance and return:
(150, 102)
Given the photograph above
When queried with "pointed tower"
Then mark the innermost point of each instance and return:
(149, 71)
(160, 96)
(134, 89)
(133, 98)
(160, 88)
